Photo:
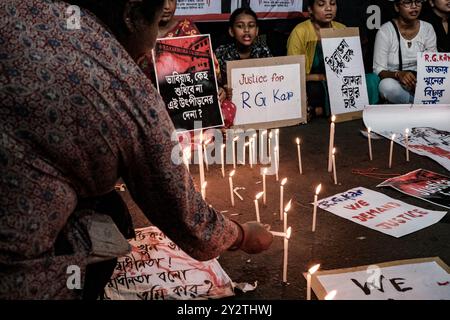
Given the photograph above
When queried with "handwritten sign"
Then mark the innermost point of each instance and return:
(432, 78)
(189, 7)
(379, 212)
(187, 82)
(345, 70)
(157, 269)
(415, 279)
(423, 184)
(268, 92)
(261, 6)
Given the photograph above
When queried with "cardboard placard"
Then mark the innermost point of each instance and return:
(345, 72)
(433, 78)
(186, 80)
(412, 279)
(268, 92)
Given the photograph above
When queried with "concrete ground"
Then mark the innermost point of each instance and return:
(337, 243)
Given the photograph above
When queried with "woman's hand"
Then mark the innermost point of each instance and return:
(407, 79)
(222, 94)
(257, 237)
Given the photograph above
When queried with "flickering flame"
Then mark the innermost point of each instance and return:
(313, 269)
(232, 173)
(283, 182)
(334, 151)
(393, 137)
(265, 171)
(333, 118)
(297, 140)
(331, 295)
(223, 146)
(259, 195)
(288, 206)
(204, 184)
(235, 139)
(406, 130)
(369, 130)
(288, 233)
(319, 187)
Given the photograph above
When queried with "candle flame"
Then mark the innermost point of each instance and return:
(204, 184)
(331, 295)
(223, 146)
(246, 144)
(277, 131)
(288, 233)
(406, 130)
(232, 173)
(208, 141)
(334, 151)
(270, 134)
(254, 135)
(333, 118)
(393, 136)
(319, 187)
(235, 139)
(259, 195)
(283, 182)
(265, 171)
(297, 140)
(288, 206)
(313, 269)
(369, 129)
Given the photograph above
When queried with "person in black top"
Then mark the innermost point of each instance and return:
(437, 12)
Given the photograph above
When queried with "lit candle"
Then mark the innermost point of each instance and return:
(262, 145)
(369, 139)
(285, 256)
(230, 179)
(319, 187)
(250, 152)
(331, 146)
(407, 144)
(270, 144)
(223, 159)
(334, 165)
(204, 190)
(277, 141)
(283, 182)
(331, 295)
(255, 149)
(299, 156)
(205, 154)
(286, 209)
(264, 185)
(187, 157)
(275, 152)
(311, 271)
(234, 151)
(391, 150)
(244, 148)
(258, 196)
(278, 234)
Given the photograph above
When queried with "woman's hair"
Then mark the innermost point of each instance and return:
(243, 10)
(111, 12)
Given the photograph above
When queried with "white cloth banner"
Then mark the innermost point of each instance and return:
(429, 128)
(194, 7)
(270, 5)
(379, 212)
(418, 279)
(433, 78)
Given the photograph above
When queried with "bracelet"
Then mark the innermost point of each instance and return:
(396, 74)
(235, 247)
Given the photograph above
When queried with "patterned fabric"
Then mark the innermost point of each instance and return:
(76, 113)
(229, 52)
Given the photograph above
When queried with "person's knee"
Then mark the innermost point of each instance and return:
(390, 89)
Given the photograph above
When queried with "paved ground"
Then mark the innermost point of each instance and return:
(337, 243)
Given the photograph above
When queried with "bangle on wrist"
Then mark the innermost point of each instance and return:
(396, 74)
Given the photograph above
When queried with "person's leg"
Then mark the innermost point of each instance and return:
(372, 83)
(316, 96)
(392, 91)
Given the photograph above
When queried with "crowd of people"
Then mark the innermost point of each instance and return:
(79, 111)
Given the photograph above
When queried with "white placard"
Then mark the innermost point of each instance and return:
(268, 90)
(270, 5)
(195, 7)
(345, 70)
(379, 212)
(418, 279)
(433, 75)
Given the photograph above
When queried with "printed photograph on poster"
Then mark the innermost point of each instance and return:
(345, 70)
(266, 6)
(187, 81)
(433, 75)
(413, 279)
(157, 269)
(423, 184)
(379, 212)
(268, 92)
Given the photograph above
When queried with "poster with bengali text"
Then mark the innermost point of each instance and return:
(433, 78)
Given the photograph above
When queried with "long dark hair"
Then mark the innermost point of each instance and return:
(111, 12)
(242, 10)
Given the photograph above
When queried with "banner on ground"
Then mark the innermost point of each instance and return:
(187, 82)
(433, 78)
(157, 269)
(344, 68)
(268, 92)
(423, 184)
(416, 279)
(379, 212)
(428, 125)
